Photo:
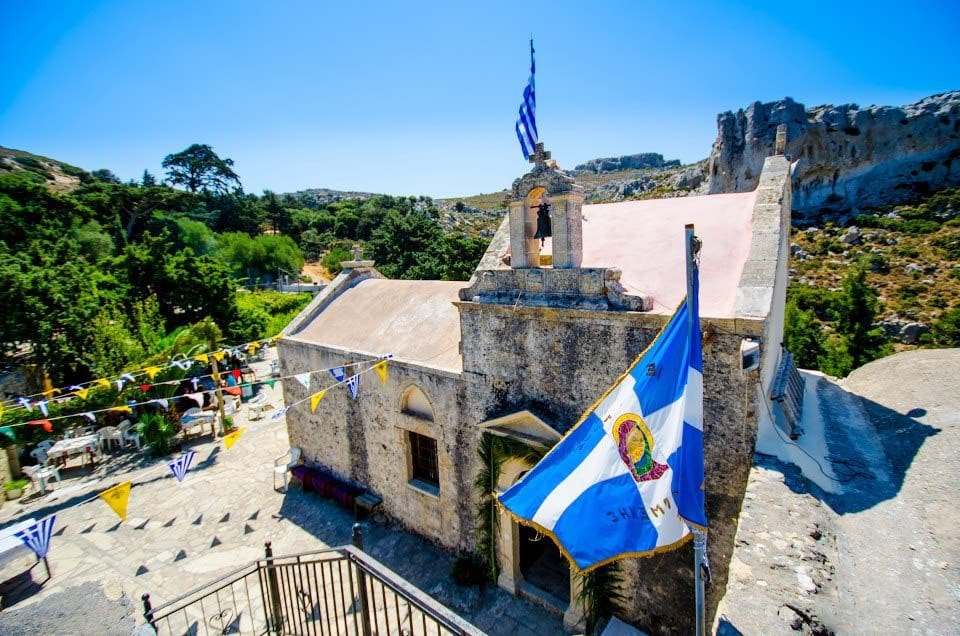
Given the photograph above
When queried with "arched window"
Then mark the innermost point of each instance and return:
(416, 403)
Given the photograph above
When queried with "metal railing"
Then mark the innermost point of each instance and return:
(337, 591)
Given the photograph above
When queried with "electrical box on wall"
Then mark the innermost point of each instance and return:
(749, 355)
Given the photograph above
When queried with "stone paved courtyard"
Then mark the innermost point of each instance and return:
(178, 536)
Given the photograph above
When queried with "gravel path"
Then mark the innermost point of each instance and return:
(81, 610)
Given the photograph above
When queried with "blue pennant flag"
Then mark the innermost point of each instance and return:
(353, 383)
(527, 122)
(181, 465)
(627, 480)
(37, 536)
(338, 373)
(280, 413)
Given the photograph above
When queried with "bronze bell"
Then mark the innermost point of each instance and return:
(543, 222)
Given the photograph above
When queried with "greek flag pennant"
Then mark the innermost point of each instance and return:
(353, 384)
(181, 465)
(338, 373)
(304, 379)
(37, 536)
(42, 405)
(627, 480)
(280, 413)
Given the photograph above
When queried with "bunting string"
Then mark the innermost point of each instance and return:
(197, 396)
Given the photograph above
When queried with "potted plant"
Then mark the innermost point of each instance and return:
(157, 431)
(14, 489)
(228, 425)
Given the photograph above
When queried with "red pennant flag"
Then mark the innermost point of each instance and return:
(144, 387)
(46, 424)
(236, 374)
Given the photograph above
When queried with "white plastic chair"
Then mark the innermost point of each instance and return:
(258, 405)
(40, 455)
(129, 435)
(40, 476)
(109, 435)
(282, 467)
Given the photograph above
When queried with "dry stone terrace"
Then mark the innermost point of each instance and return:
(179, 536)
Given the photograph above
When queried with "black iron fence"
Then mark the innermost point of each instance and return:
(337, 591)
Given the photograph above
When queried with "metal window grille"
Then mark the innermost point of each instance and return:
(423, 452)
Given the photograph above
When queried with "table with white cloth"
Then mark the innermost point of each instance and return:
(194, 423)
(67, 448)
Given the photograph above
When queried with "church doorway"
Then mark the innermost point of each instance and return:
(543, 566)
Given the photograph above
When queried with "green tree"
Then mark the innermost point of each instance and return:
(279, 217)
(148, 180)
(856, 313)
(198, 168)
(104, 175)
(945, 332)
(803, 336)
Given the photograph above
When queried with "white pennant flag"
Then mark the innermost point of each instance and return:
(304, 379)
(90, 416)
(42, 405)
(162, 402)
(128, 377)
(195, 382)
(353, 383)
(280, 413)
(37, 536)
(181, 465)
(183, 365)
(196, 397)
(120, 384)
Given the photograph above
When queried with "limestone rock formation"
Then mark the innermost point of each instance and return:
(848, 158)
(628, 162)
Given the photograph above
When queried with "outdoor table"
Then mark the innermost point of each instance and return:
(67, 448)
(188, 423)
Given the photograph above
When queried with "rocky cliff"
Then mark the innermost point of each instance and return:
(628, 162)
(847, 158)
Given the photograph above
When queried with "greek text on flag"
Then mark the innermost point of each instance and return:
(627, 480)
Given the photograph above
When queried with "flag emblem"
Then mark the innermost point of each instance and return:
(181, 465)
(635, 445)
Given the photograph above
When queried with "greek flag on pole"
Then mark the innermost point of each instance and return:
(627, 480)
(527, 122)
(181, 465)
(37, 536)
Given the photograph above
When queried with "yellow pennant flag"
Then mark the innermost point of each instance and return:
(152, 372)
(202, 358)
(1, 410)
(117, 498)
(231, 438)
(122, 409)
(218, 356)
(315, 400)
(381, 369)
(104, 383)
(253, 347)
(82, 393)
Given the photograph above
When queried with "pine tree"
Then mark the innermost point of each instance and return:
(148, 180)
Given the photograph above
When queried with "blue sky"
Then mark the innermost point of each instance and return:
(411, 98)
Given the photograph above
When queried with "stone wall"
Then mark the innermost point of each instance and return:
(364, 440)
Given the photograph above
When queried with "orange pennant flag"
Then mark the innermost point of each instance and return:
(117, 498)
(315, 400)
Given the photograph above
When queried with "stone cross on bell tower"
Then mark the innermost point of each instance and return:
(545, 184)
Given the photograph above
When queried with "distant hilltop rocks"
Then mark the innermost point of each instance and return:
(848, 158)
(628, 162)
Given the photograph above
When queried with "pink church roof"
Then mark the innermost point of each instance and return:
(644, 239)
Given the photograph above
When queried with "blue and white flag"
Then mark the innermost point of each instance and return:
(527, 122)
(353, 383)
(280, 413)
(627, 480)
(338, 373)
(181, 465)
(37, 536)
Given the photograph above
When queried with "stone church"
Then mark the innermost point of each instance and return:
(522, 349)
